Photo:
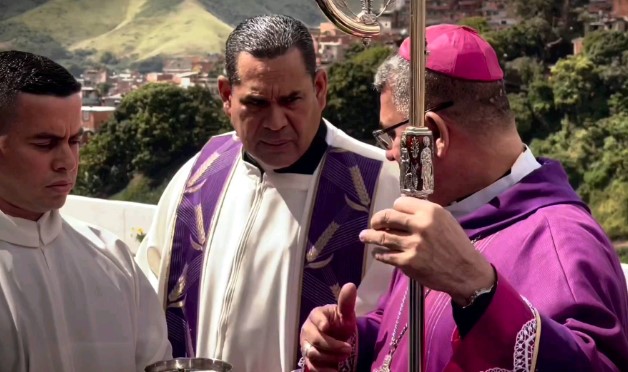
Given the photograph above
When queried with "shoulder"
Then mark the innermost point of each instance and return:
(102, 242)
(339, 139)
(179, 179)
(568, 244)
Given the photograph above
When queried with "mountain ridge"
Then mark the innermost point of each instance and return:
(133, 29)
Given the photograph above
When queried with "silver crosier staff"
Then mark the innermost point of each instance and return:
(417, 141)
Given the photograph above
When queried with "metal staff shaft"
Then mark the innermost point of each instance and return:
(417, 116)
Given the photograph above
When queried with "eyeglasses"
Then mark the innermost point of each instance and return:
(386, 137)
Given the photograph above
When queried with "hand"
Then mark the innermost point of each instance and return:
(426, 242)
(326, 330)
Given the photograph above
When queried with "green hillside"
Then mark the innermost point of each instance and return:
(234, 11)
(69, 21)
(132, 29)
(161, 28)
(10, 8)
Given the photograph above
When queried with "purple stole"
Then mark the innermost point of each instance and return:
(334, 254)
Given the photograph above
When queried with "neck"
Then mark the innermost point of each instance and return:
(15, 211)
(478, 166)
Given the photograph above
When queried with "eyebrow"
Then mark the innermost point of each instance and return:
(52, 136)
(259, 97)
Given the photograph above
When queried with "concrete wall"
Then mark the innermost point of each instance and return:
(121, 218)
(125, 218)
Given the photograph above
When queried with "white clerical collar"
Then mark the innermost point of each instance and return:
(29, 233)
(525, 164)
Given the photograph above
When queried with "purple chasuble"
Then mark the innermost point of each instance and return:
(334, 254)
(561, 301)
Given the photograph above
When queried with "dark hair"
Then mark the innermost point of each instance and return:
(22, 72)
(268, 36)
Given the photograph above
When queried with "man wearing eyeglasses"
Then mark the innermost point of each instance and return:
(518, 274)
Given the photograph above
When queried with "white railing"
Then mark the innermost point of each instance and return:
(125, 219)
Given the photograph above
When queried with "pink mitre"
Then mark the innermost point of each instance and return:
(459, 52)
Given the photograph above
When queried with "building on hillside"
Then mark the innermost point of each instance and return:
(599, 6)
(577, 44)
(161, 77)
(112, 100)
(93, 117)
(620, 8)
(177, 65)
(94, 77)
(90, 96)
(497, 14)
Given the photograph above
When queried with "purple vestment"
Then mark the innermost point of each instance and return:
(561, 301)
(334, 254)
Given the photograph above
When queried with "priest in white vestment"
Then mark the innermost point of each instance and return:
(72, 298)
(263, 223)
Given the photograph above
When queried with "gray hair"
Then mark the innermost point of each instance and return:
(476, 104)
(268, 36)
(394, 73)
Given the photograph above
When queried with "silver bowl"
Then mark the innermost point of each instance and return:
(190, 364)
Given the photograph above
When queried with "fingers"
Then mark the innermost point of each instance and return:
(321, 351)
(394, 240)
(321, 358)
(321, 317)
(315, 368)
(317, 331)
(346, 301)
(387, 256)
(410, 205)
(391, 219)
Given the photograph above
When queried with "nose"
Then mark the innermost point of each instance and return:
(394, 153)
(276, 119)
(66, 158)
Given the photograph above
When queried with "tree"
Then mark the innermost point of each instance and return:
(579, 91)
(480, 24)
(108, 58)
(103, 88)
(152, 64)
(106, 161)
(353, 103)
(605, 47)
(533, 37)
(154, 130)
(596, 160)
(172, 124)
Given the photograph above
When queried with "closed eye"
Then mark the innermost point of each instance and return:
(45, 145)
(255, 102)
(290, 100)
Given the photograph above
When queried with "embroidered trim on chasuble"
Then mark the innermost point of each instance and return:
(212, 171)
(526, 345)
(342, 208)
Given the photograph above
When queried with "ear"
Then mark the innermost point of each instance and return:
(224, 88)
(439, 128)
(320, 84)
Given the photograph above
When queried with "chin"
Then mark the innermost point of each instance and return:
(57, 203)
(277, 162)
